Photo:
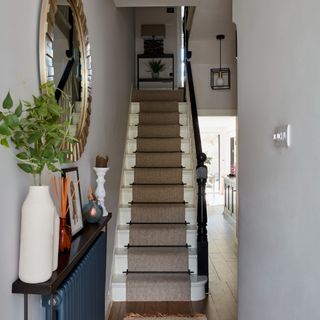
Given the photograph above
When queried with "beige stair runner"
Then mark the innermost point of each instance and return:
(157, 254)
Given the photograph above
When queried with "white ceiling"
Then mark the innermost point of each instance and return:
(211, 16)
(156, 3)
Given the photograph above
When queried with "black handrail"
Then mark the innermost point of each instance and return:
(69, 54)
(202, 171)
(64, 79)
(194, 110)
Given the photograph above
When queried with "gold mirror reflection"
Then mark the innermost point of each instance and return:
(65, 59)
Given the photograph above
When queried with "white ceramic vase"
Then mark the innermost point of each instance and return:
(36, 239)
(56, 231)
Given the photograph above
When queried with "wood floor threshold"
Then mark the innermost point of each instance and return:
(120, 309)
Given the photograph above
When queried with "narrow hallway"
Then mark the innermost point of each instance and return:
(222, 265)
(221, 303)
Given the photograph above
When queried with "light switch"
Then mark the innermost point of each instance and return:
(281, 136)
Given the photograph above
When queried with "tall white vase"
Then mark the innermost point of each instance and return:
(56, 231)
(36, 239)
(100, 190)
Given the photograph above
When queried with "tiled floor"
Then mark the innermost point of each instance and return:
(221, 303)
(222, 264)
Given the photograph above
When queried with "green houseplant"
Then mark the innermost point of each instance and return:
(39, 131)
(155, 67)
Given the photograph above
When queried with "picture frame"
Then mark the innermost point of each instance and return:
(74, 203)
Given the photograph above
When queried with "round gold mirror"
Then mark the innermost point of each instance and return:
(64, 54)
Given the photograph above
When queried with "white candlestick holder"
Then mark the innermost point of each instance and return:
(100, 192)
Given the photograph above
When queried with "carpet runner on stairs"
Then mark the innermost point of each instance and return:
(158, 267)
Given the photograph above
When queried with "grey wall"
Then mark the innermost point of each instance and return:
(172, 41)
(111, 34)
(279, 81)
(205, 56)
(210, 19)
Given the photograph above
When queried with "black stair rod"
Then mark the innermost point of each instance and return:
(158, 272)
(165, 223)
(157, 246)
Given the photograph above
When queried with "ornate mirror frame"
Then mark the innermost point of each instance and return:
(46, 38)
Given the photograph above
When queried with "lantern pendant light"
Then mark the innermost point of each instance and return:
(220, 80)
(220, 77)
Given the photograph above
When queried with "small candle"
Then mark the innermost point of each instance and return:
(101, 162)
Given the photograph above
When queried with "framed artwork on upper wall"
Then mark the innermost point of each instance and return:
(74, 200)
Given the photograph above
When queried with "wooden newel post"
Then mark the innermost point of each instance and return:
(202, 219)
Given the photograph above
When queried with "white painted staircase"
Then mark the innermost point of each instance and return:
(120, 261)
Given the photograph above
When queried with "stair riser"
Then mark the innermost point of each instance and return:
(123, 238)
(121, 264)
(125, 216)
(197, 291)
(135, 107)
(130, 161)
(126, 196)
(132, 146)
(134, 119)
(155, 94)
(128, 178)
(133, 132)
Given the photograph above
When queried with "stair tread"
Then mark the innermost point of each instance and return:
(157, 184)
(161, 112)
(183, 140)
(132, 203)
(159, 152)
(124, 252)
(121, 279)
(126, 227)
(176, 95)
(156, 124)
(164, 168)
(160, 278)
(132, 154)
(186, 187)
(128, 206)
(149, 138)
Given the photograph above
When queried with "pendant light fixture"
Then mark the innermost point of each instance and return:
(220, 81)
(220, 77)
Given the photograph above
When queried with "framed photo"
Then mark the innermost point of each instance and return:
(74, 200)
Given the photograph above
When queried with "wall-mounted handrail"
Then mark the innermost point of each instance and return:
(201, 170)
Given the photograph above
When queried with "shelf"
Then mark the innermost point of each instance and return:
(156, 80)
(155, 56)
(67, 261)
(168, 79)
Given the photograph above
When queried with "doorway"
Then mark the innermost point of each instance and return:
(219, 142)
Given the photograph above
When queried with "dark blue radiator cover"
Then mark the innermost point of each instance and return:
(82, 295)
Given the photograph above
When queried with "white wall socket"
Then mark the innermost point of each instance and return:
(281, 136)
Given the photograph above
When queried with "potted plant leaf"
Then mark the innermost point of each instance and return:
(38, 133)
(155, 67)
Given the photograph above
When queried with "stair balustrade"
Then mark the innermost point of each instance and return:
(201, 174)
(201, 170)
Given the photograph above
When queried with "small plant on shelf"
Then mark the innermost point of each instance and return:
(155, 67)
(38, 130)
